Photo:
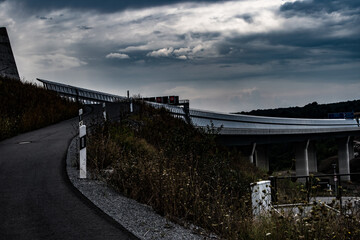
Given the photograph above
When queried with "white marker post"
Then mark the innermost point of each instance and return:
(82, 135)
(131, 105)
(261, 197)
(104, 111)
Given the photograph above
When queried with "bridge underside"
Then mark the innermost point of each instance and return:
(257, 150)
(243, 140)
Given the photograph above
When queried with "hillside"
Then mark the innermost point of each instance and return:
(311, 110)
(177, 169)
(26, 106)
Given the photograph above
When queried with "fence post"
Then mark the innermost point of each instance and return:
(273, 185)
(130, 101)
(261, 197)
(340, 193)
(82, 158)
(308, 188)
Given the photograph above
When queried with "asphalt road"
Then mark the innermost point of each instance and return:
(37, 201)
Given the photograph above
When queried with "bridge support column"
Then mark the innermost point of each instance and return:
(344, 157)
(302, 160)
(262, 157)
(249, 152)
(312, 157)
(252, 153)
(351, 148)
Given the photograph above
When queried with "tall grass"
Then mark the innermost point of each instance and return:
(178, 170)
(25, 107)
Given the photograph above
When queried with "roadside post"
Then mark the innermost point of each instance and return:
(335, 181)
(131, 105)
(82, 136)
(130, 101)
(104, 110)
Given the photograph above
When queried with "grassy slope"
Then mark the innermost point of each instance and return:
(25, 107)
(178, 170)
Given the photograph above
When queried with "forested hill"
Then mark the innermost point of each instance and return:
(311, 110)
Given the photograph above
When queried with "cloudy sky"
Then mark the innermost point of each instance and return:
(222, 55)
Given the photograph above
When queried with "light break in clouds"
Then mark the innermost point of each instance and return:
(222, 55)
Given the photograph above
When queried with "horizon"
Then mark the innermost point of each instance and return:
(224, 56)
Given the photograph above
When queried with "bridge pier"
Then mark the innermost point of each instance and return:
(249, 151)
(344, 157)
(351, 148)
(262, 157)
(312, 157)
(302, 159)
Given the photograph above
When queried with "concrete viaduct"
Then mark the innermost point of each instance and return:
(252, 131)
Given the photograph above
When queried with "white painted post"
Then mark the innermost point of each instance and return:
(131, 105)
(261, 197)
(82, 135)
(104, 111)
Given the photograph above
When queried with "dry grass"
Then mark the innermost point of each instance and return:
(25, 107)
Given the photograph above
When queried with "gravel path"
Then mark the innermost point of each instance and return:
(137, 218)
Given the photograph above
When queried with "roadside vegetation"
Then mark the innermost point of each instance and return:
(184, 175)
(177, 169)
(26, 106)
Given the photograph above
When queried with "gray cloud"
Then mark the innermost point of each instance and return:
(103, 6)
(318, 6)
(229, 56)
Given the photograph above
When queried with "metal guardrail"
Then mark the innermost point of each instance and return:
(230, 124)
(87, 96)
(245, 124)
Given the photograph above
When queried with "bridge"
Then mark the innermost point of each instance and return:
(83, 95)
(255, 133)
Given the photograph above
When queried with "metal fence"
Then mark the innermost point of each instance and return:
(307, 189)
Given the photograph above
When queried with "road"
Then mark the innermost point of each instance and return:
(37, 201)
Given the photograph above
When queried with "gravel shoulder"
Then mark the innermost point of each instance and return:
(137, 218)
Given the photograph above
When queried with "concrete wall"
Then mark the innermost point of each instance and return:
(7, 61)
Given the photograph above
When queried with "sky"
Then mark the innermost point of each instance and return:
(225, 56)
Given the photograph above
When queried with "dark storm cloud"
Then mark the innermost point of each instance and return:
(337, 41)
(316, 6)
(104, 5)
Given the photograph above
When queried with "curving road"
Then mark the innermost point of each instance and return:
(37, 201)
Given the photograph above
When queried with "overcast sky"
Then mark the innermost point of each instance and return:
(224, 56)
